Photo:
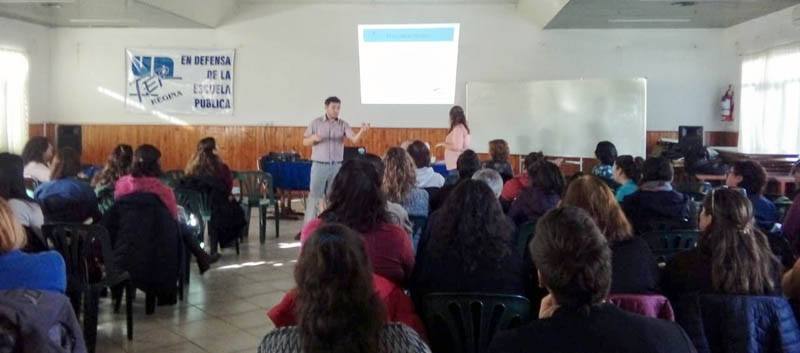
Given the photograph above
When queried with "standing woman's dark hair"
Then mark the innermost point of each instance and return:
(630, 167)
(205, 161)
(66, 164)
(606, 152)
(12, 183)
(118, 164)
(35, 149)
(337, 307)
(457, 117)
(476, 230)
(741, 259)
(146, 162)
(356, 199)
(548, 177)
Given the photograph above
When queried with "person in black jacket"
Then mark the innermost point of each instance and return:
(574, 264)
(467, 247)
(467, 164)
(656, 204)
(633, 264)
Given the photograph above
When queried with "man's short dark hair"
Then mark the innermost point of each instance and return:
(754, 176)
(573, 258)
(420, 153)
(657, 169)
(332, 99)
(467, 164)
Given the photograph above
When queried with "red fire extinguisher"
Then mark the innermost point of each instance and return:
(726, 106)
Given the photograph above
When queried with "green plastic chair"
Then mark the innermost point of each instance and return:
(783, 204)
(191, 201)
(175, 174)
(524, 236)
(105, 198)
(666, 244)
(256, 190)
(467, 322)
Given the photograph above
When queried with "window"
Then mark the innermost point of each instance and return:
(770, 117)
(13, 100)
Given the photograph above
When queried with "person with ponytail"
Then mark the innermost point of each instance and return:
(627, 173)
(337, 307)
(119, 163)
(732, 255)
(206, 162)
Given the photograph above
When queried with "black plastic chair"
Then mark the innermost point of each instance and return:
(467, 322)
(524, 236)
(81, 246)
(666, 244)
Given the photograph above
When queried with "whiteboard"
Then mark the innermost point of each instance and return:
(565, 118)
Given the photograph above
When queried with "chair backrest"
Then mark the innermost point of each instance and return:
(418, 224)
(105, 198)
(467, 322)
(83, 247)
(254, 185)
(31, 184)
(783, 204)
(175, 174)
(665, 244)
(524, 236)
(190, 200)
(650, 305)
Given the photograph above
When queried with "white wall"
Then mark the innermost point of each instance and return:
(289, 58)
(35, 41)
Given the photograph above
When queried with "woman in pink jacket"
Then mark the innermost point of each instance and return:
(458, 139)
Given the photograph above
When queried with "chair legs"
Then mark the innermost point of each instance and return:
(90, 307)
(277, 219)
(129, 294)
(262, 223)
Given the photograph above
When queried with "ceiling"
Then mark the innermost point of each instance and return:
(662, 13)
(560, 14)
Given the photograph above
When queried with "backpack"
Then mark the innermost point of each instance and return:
(698, 160)
(38, 321)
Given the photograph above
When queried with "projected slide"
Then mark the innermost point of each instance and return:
(408, 64)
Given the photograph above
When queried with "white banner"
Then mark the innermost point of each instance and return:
(185, 81)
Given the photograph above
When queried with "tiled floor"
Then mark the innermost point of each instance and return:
(225, 310)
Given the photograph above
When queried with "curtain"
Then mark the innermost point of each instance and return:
(770, 115)
(13, 101)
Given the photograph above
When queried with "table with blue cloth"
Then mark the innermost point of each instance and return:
(440, 168)
(291, 175)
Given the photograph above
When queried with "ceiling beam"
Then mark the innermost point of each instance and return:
(541, 12)
(205, 12)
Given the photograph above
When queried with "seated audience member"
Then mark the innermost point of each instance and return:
(492, 178)
(397, 214)
(499, 151)
(547, 184)
(40, 271)
(732, 255)
(633, 265)
(791, 223)
(656, 202)
(206, 162)
(337, 306)
(575, 266)
(752, 177)
(118, 164)
(627, 173)
(12, 188)
(36, 157)
(356, 200)
(426, 176)
(468, 247)
(606, 152)
(467, 164)
(399, 307)
(399, 183)
(65, 198)
(144, 177)
(513, 187)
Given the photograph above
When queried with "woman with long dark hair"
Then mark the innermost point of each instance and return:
(357, 201)
(12, 188)
(118, 164)
(65, 198)
(206, 162)
(458, 138)
(633, 264)
(547, 184)
(36, 157)
(732, 255)
(337, 307)
(468, 247)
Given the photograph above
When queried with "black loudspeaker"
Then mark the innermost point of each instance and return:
(69, 136)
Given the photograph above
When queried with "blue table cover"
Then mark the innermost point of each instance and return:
(291, 175)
